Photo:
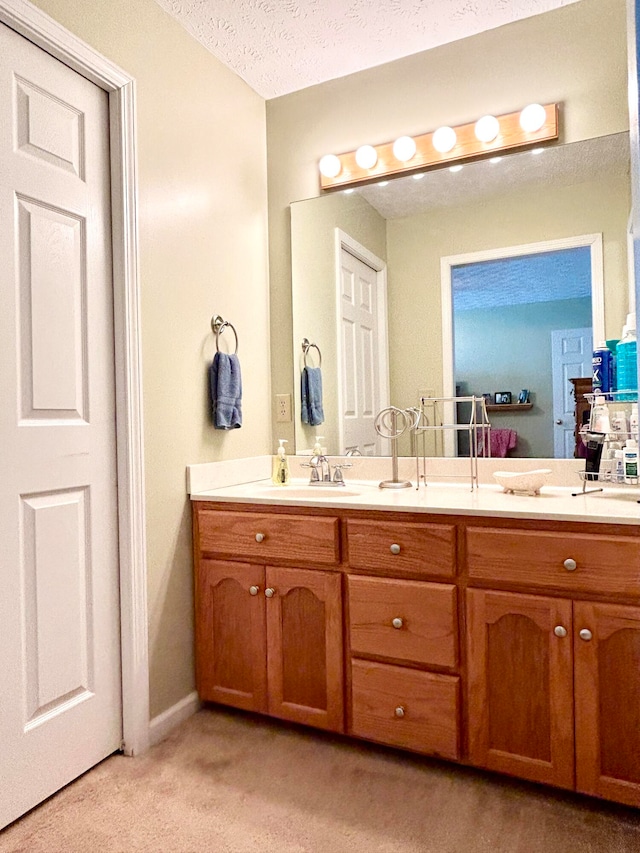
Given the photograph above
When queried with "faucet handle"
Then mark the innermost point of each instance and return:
(337, 471)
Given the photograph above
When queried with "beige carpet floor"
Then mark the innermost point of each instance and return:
(227, 782)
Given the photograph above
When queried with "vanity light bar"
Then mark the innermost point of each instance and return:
(510, 136)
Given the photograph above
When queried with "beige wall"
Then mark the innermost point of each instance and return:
(203, 250)
(575, 55)
(314, 297)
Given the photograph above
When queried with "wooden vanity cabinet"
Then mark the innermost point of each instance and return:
(268, 637)
(554, 679)
(403, 635)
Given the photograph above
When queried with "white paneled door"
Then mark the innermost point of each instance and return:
(360, 368)
(60, 705)
(571, 351)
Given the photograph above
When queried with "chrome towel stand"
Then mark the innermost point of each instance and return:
(306, 346)
(218, 326)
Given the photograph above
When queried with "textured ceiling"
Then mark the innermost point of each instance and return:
(280, 46)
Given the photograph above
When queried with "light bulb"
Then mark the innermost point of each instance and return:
(444, 138)
(418, 177)
(487, 128)
(537, 151)
(348, 192)
(383, 183)
(456, 168)
(404, 148)
(366, 156)
(495, 159)
(532, 118)
(330, 166)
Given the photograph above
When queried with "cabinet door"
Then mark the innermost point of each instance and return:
(607, 696)
(304, 655)
(520, 709)
(231, 659)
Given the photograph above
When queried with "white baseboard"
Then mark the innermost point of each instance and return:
(161, 726)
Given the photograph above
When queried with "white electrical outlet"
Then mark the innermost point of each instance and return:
(283, 408)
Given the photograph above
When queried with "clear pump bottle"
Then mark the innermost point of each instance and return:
(280, 470)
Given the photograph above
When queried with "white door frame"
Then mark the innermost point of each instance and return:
(345, 241)
(46, 33)
(594, 241)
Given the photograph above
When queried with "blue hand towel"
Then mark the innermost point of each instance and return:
(225, 385)
(311, 396)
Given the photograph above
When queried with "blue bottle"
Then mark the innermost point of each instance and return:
(627, 356)
(603, 369)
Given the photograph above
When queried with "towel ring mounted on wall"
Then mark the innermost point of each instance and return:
(219, 325)
(306, 346)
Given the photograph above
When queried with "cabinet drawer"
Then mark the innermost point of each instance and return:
(266, 537)
(397, 547)
(413, 621)
(406, 708)
(567, 561)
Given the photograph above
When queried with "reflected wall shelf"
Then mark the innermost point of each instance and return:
(509, 407)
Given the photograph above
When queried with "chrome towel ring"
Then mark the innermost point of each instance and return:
(306, 346)
(218, 325)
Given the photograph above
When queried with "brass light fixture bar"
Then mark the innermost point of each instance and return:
(509, 136)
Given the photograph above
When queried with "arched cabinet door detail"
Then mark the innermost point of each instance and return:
(230, 634)
(304, 649)
(607, 697)
(521, 685)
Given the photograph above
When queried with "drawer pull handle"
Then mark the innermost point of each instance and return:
(586, 634)
(570, 565)
(269, 592)
(259, 537)
(560, 631)
(397, 622)
(399, 712)
(395, 549)
(254, 590)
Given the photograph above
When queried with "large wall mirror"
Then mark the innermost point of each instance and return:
(528, 246)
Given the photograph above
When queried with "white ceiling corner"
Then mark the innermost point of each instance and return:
(280, 46)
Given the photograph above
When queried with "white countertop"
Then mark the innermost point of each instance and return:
(612, 506)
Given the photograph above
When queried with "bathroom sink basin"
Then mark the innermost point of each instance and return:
(311, 492)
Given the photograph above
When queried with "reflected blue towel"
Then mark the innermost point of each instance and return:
(311, 396)
(225, 385)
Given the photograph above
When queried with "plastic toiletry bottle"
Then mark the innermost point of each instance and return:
(627, 364)
(617, 475)
(631, 461)
(633, 421)
(280, 473)
(600, 415)
(318, 449)
(619, 426)
(602, 368)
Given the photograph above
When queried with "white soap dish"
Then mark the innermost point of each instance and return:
(523, 482)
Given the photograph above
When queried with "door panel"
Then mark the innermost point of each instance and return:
(59, 596)
(231, 634)
(304, 648)
(607, 690)
(520, 685)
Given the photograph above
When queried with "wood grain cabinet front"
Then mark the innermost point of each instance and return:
(412, 621)
(402, 548)
(405, 707)
(269, 639)
(554, 691)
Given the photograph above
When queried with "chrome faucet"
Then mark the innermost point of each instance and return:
(321, 471)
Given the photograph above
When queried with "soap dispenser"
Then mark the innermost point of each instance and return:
(280, 473)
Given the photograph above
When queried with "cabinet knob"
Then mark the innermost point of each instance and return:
(560, 631)
(570, 565)
(586, 634)
(399, 712)
(259, 537)
(254, 590)
(397, 622)
(395, 549)
(559, 421)
(269, 592)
